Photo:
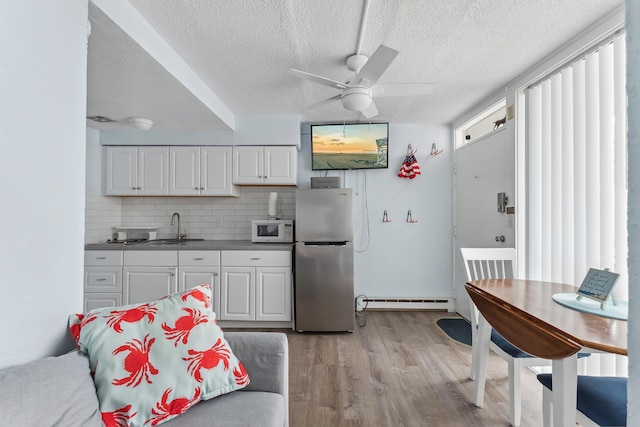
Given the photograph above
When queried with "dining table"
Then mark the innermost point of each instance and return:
(525, 314)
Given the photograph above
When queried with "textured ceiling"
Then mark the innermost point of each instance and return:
(242, 49)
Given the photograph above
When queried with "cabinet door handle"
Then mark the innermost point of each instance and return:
(255, 258)
(201, 188)
(215, 274)
(198, 259)
(102, 279)
(101, 257)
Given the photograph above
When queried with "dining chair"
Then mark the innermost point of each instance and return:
(497, 263)
(601, 401)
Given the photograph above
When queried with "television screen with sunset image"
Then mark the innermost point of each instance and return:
(349, 146)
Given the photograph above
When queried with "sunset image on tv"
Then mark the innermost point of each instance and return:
(349, 146)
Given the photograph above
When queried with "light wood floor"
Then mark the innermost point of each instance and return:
(397, 370)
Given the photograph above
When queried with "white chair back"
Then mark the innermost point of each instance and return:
(489, 263)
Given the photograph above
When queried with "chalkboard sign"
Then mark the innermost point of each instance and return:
(598, 284)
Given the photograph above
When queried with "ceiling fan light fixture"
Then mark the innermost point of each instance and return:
(356, 98)
(141, 123)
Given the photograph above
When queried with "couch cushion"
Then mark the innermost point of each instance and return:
(153, 361)
(238, 409)
(47, 392)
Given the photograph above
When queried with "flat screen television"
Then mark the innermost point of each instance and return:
(349, 146)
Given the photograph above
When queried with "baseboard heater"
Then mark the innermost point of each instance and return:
(408, 304)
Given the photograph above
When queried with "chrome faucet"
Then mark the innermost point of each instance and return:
(173, 220)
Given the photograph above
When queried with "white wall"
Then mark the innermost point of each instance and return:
(211, 218)
(395, 259)
(633, 224)
(42, 132)
(399, 259)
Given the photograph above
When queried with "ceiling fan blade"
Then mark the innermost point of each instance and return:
(317, 79)
(370, 111)
(402, 89)
(375, 66)
(325, 102)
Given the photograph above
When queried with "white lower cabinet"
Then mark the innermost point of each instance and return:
(142, 284)
(101, 299)
(273, 293)
(198, 267)
(102, 279)
(149, 275)
(255, 286)
(247, 286)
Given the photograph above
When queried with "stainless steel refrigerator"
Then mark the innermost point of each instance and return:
(324, 260)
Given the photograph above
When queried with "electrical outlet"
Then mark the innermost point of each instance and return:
(360, 304)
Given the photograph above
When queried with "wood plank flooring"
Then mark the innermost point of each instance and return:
(397, 370)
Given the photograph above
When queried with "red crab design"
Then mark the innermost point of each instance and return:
(177, 406)
(131, 315)
(118, 418)
(199, 295)
(242, 378)
(184, 325)
(207, 359)
(77, 327)
(136, 362)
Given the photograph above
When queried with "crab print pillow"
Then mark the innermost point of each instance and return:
(153, 361)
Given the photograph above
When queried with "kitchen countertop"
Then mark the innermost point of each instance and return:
(198, 245)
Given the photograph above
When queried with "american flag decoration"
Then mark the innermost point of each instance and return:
(410, 167)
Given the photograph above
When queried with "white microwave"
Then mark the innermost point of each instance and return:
(272, 230)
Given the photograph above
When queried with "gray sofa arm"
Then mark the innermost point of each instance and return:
(265, 356)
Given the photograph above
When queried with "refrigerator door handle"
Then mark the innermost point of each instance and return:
(344, 243)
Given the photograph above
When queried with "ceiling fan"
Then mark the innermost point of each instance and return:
(358, 93)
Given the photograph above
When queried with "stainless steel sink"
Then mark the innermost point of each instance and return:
(161, 242)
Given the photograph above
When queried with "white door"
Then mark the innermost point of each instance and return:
(248, 165)
(215, 172)
(280, 165)
(273, 293)
(194, 276)
(122, 171)
(93, 300)
(143, 284)
(184, 175)
(483, 169)
(237, 293)
(153, 171)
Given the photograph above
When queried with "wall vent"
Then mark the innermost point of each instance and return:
(391, 303)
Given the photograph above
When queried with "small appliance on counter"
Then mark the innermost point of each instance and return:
(272, 231)
(133, 234)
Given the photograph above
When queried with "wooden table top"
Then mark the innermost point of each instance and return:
(514, 305)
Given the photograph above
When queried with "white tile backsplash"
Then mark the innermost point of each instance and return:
(211, 218)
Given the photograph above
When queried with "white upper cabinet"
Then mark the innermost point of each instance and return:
(269, 165)
(201, 171)
(184, 178)
(137, 171)
(215, 172)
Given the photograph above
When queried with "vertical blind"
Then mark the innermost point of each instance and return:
(576, 174)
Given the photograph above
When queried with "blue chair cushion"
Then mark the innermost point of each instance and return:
(601, 399)
(506, 346)
(514, 351)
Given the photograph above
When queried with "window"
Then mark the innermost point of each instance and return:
(576, 164)
(484, 123)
